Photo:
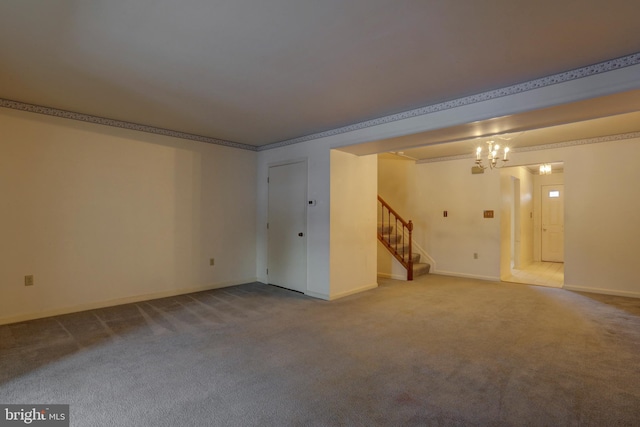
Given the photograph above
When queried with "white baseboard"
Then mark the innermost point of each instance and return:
(467, 276)
(615, 292)
(317, 295)
(119, 301)
(353, 291)
(392, 276)
(426, 256)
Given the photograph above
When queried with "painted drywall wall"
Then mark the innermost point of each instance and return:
(598, 179)
(598, 183)
(316, 151)
(602, 230)
(319, 267)
(353, 254)
(526, 216)
(101, 215)
(388, 266)
(522, 229)
(396, 185)
(318, 233)
(454, 240)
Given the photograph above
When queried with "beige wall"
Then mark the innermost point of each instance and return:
(478, 235)
(601, 206)
(343, 187)
(453, 240)
(522, 229)
(602, 230)
(353, 253)
(318, 232)
(101, 215)
(397, 184)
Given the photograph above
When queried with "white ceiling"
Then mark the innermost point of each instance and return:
(262, 71)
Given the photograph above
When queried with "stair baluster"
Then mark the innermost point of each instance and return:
(402, 228)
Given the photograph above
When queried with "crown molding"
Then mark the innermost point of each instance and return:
(578, 73)
(564, 144)
(48, 111)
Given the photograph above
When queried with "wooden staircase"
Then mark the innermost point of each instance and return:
(395, 233)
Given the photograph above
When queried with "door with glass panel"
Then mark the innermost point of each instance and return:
(552, 241)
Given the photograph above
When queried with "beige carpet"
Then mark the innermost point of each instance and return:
(439, 351)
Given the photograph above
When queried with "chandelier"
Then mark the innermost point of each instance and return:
(493, 156)
(545, 169)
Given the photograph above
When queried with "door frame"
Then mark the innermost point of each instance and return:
(516, 228)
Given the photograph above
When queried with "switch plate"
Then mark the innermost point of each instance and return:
(475, 255)
(212, 261)
(28, 280)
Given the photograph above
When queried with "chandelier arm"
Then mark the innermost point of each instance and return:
(494, 159)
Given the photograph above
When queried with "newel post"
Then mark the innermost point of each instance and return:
(410, 261)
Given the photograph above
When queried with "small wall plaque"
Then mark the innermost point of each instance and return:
(488, 214)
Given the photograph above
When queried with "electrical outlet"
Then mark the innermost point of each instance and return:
(28, 280)
(475, 255)
(212, 261)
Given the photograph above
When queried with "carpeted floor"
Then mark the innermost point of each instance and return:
(439, 351)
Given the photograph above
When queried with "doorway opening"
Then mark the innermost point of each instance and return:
(533, 226)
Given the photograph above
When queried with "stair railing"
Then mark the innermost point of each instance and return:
(398, 228)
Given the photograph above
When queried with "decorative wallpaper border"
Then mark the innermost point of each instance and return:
(578, 73)
(564, 144)
(15, 105)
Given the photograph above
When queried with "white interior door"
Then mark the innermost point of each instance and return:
(287, 226)
(552, 223)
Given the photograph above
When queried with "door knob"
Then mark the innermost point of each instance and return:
(300, 234)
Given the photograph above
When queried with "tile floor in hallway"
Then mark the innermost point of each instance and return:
(539, 273)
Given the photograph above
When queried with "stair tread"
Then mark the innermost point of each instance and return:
(421, 268)
(391, 238)
(415, 256)
(392, 234)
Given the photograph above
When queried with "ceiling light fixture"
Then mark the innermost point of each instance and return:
(545, 169)
(493, 156)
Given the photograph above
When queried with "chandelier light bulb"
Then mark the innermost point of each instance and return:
(493, 156)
